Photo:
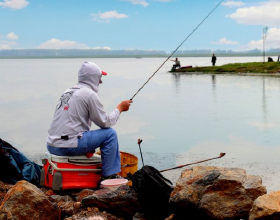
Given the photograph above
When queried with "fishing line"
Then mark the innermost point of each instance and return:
(205, 63)
(177, 49)
(193, 62)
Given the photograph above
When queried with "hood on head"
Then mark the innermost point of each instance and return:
(90, 74)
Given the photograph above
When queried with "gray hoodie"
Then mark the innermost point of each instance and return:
(78, 107)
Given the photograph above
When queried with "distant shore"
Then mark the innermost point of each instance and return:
(43, 56)
(255, 68)
(121, 53)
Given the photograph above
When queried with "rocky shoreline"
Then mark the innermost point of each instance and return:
(201, 192)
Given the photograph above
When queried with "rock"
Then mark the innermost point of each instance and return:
(84, 193)
(139, 216)
(65, 203)
(77, 205)
(61, 200)
(44, 189)
(254, 187)
(170, 217)
(26, 201)
(4, 187)
(266, 207)
(93, 214)
(215, 193)
(50, 193)
(120, 201)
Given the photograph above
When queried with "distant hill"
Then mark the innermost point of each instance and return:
(76, 53)
(87, 53)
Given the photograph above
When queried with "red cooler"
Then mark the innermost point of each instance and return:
(70, 172)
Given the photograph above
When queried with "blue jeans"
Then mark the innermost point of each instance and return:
(106, 139)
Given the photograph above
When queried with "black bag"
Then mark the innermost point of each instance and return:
(153, 192)
(14, 166)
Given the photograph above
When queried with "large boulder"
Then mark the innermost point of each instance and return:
(84, 193)
(215, 193)
(120, 201)
(4, 187)
(26, 201)
(266, 207)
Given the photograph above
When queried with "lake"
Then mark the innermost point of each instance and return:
(182, 118)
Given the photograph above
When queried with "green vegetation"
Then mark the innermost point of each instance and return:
(268, 67)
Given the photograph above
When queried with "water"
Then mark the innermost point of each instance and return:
(181, 118)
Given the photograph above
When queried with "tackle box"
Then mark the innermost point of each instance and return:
(70, 172)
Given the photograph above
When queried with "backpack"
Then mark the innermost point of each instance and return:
(153, 192)
(14, 166)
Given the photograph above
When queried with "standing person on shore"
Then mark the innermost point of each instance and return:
(213, 60)
(278, 59)
(78, 107)
(177, 63)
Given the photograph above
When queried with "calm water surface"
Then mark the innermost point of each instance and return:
(181, 118)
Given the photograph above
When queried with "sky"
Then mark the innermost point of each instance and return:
(139, 24)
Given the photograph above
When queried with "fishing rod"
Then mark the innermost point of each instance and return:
(177, 48)
(220, 156)
(139, 142)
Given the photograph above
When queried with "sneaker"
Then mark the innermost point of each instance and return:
(114, 176)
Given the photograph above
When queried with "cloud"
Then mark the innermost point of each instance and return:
(231, 4)
(164, 0)
(4, 47)
(12, 36)
(139, 2)
(272, 40)
(106, 16)
(14, 4)
(6, 44)
(10, 43)
(102, 48)
(266, 13)
(59, 44)
(224, 41)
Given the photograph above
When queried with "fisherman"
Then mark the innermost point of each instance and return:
(269, 59)
(177, 63)
(213, 60)
(78, 107)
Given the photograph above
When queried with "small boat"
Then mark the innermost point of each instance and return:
(182, 68)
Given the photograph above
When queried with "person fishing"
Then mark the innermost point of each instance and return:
(177, 63)
(269, 59)
(78, 107)
(213, 60)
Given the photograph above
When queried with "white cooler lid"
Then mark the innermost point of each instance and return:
(65, 159)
